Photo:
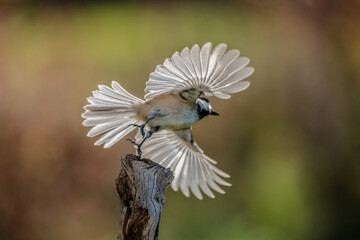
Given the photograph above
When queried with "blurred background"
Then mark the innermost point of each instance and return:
(291, 142)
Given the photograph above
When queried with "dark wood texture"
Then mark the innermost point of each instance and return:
(140, 186)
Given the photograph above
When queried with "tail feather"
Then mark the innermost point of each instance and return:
(104, 127)
(110, 112)
(90, 122)
(118, 136)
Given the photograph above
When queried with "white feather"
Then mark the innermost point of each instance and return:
(176, 59)
(204, 60)
(186, 58)
(193, 170)
(213, 72)
(235, 77)
(224, 62)
(217, 53)
(110, 113)
(195, 58)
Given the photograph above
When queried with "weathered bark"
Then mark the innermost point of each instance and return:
(140, 186)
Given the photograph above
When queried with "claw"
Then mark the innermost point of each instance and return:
(132, 141)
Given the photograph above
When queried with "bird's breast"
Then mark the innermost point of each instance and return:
(176, 118)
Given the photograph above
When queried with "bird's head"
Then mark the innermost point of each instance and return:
(204, 108)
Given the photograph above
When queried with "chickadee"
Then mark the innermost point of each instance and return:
(173, 103)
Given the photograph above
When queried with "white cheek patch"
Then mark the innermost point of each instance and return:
(204, 106)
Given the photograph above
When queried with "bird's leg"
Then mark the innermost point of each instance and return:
(151, 116)
(142, 131)
(136, 144)
(146, 136)
(142, 126)
(132, 140)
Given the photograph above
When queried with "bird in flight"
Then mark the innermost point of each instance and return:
(174, 101)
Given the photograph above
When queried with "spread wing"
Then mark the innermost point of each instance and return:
(212, 72)
(193, 170)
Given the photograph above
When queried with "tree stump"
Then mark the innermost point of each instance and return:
(140, 187)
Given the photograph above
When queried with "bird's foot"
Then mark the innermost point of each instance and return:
(139, 126)
(132, 141)
(139, 152)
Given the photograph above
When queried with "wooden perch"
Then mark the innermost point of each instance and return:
(140, 187)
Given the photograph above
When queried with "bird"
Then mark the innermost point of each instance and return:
(175, 99)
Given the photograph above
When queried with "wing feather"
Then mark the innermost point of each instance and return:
(204, 60)
(195, 58)
(224, 62)
(211, 71)
(235, 77)
(194, 186)
(222, 95)
(202, 181)
(236, 87)
(193, 170)
(209, 178)
(186, 58)
(216, 55)
(175, 70)
(163, 71)
(176, 59)
(234, 67)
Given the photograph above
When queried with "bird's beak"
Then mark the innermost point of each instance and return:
(214, 113)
